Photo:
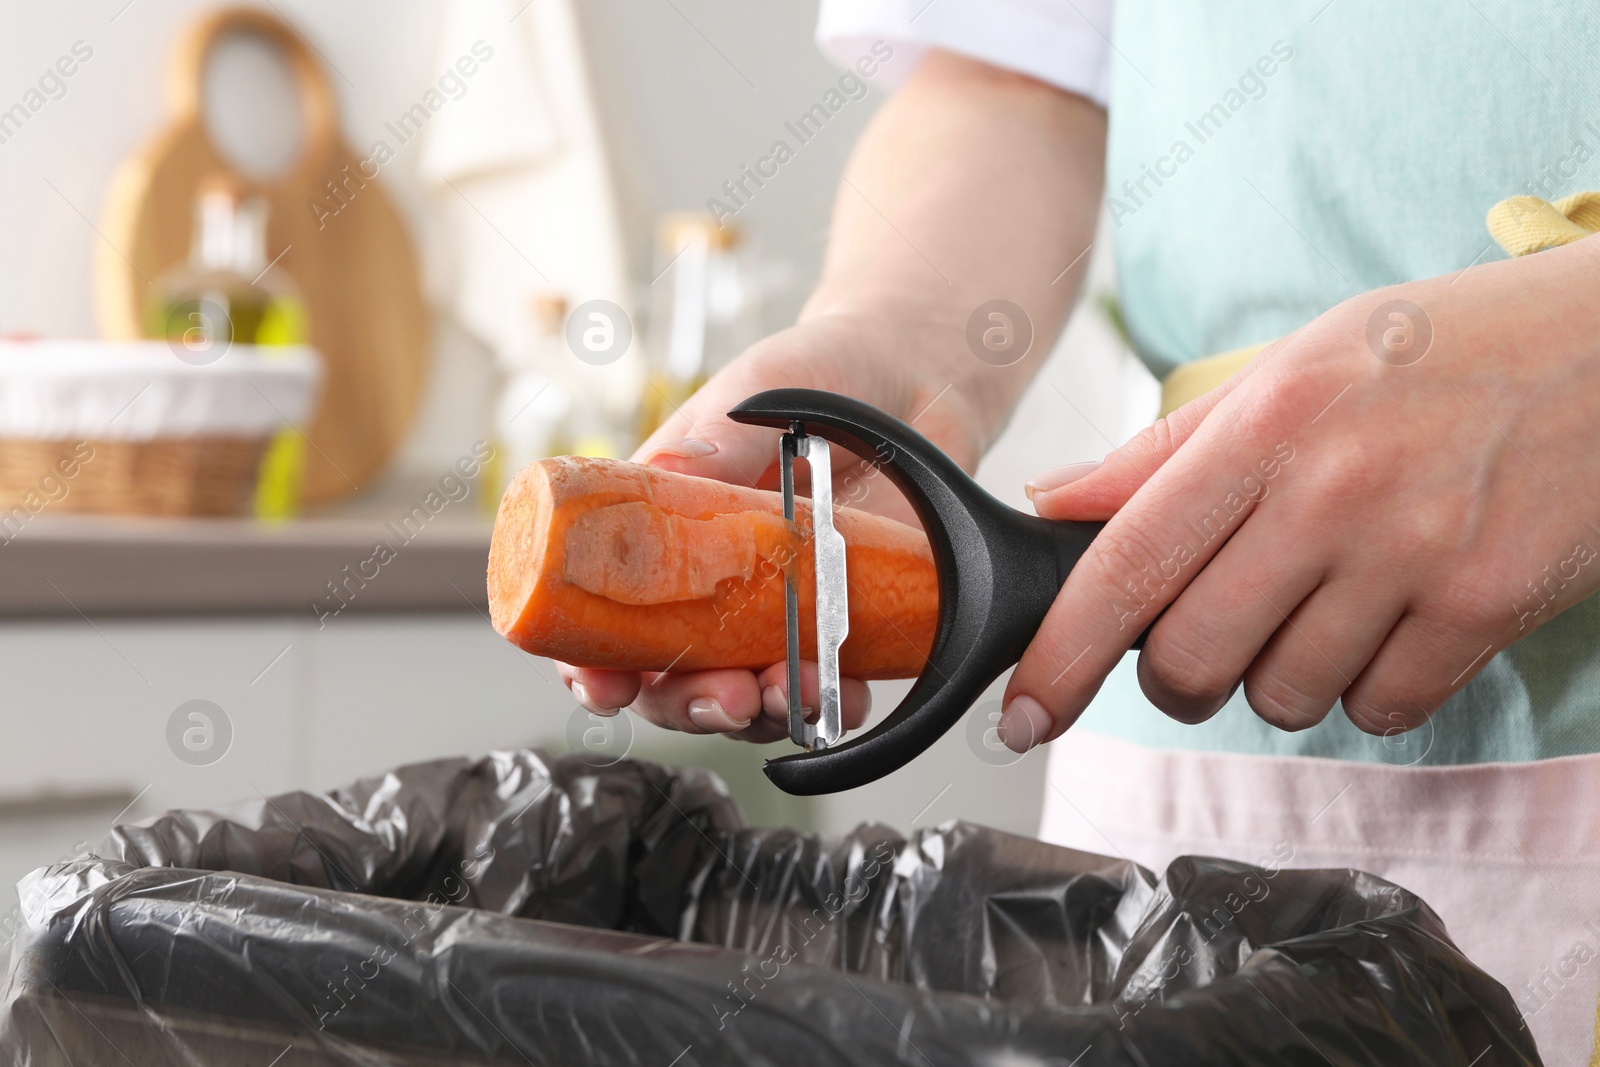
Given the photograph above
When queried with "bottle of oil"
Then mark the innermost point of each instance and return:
(701, 312)
(227, 294)
(532, 409)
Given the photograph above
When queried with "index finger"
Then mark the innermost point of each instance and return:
(1141, 562)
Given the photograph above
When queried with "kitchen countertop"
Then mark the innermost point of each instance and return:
(358, 558)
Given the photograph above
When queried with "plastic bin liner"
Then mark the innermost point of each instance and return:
(520, 909)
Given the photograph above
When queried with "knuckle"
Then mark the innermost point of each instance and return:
(1281, 702)
(1436, 527)
(1185, 677)
(1351, 473)
(1284, 394)
(1122, 553)
(1160, 437)
(1126, 566)
(1384, 715)
(1471, 607)
(1448, 634)
(1181, 425)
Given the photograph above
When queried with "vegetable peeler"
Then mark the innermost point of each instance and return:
(999, 570)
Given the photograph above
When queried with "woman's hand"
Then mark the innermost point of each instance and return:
(1369, 511)
(970, 185)
(825, 352)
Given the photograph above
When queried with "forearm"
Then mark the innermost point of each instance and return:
(970, 185)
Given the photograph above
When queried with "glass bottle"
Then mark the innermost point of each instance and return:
(703, 312)
(226, 294)
(533, 405)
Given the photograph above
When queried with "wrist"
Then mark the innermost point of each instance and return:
(918, 349)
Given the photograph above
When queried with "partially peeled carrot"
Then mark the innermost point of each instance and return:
(601, 563)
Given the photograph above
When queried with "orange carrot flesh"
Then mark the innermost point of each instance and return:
(601, 563)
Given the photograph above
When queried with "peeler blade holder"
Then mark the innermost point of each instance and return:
(998, 568)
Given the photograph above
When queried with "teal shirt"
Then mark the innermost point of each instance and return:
(1268, 160)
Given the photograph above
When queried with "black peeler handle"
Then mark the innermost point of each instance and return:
(999, 571)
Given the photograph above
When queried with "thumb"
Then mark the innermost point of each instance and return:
(698, 438)
(1096, 491)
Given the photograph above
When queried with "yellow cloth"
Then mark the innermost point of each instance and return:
(1524, 224)
(1519, 224)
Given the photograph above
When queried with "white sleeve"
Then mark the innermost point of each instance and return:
(1065, 43)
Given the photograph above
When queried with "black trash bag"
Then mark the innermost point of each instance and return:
(523, 910)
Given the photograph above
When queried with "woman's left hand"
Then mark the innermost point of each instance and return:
(1369, 511)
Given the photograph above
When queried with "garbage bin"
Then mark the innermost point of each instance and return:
(519, 909)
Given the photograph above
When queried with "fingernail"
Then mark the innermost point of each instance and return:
(683, 448)
(708, 714)
(1024, 723)
(1056, 477)
(581, 691)
(773, 702)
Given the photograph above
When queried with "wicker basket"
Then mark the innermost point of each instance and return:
(129, 428)
(165, 476)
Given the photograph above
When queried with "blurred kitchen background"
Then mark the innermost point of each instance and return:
(346, 347)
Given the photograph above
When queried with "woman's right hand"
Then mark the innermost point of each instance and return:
(829, 352)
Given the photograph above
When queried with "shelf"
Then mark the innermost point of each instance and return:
(315, 567)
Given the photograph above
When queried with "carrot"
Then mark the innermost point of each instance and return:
(601, 563)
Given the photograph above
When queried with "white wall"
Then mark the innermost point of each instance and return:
(680, 116)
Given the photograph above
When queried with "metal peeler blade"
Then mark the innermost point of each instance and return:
(832, 593)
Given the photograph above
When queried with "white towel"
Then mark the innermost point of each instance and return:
(520, 170)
